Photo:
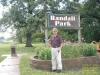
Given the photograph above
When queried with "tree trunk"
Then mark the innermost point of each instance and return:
(28, 41)
(20, 38)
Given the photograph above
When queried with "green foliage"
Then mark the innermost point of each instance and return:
(29, 15)
(88, 50)
(22, 14)
(4, 48)
(69, 51)
(66, 34)
(2, 58)
(43, 53)
(90, 20)
(90, 29)
(5, 22)
(38, 37)
(70, 35)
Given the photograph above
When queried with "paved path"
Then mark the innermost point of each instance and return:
(10, 66)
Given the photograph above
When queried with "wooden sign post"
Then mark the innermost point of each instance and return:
(79, 30)
(46, 31)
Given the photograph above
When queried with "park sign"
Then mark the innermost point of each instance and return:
(67, 21)
(63, 21)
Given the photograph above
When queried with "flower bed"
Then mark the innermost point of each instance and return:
(68, 64)
(68, 51)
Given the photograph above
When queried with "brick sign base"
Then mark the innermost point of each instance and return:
(68, 64)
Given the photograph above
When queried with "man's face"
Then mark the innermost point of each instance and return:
(55, 31)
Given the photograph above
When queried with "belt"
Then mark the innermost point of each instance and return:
(55, 47)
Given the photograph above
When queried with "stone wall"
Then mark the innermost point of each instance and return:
(68, 64)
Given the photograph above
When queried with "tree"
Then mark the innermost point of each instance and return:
(29, 15)
(90, 20)
(23, 14)
(5, 22)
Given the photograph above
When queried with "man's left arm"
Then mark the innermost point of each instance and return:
(61, 43)
(61, 46)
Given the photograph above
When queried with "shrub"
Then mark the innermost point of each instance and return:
(69, 51)
(88, 50)
(43, 53)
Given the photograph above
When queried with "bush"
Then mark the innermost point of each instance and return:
(68, 51)
(88, 50)
(43, 53)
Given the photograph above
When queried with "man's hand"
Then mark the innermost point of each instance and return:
(59, 49)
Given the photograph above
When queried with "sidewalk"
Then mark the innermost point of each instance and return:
(10, 66)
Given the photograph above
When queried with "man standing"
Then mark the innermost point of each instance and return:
(56, 45)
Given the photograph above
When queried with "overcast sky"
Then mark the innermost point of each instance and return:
(1, 10)
(6, 34)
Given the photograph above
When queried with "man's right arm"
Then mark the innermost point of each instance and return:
(49, 42)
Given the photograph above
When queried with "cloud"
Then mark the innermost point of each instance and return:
(1, 10)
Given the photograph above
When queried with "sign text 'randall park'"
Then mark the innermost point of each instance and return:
(62, 20)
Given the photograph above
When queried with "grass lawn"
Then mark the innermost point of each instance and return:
(4, 48)
(25, 68)
(20, 48)
(2, 58)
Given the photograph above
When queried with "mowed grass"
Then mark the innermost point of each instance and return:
(20, 48)
(2, 58)
(5, 48)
